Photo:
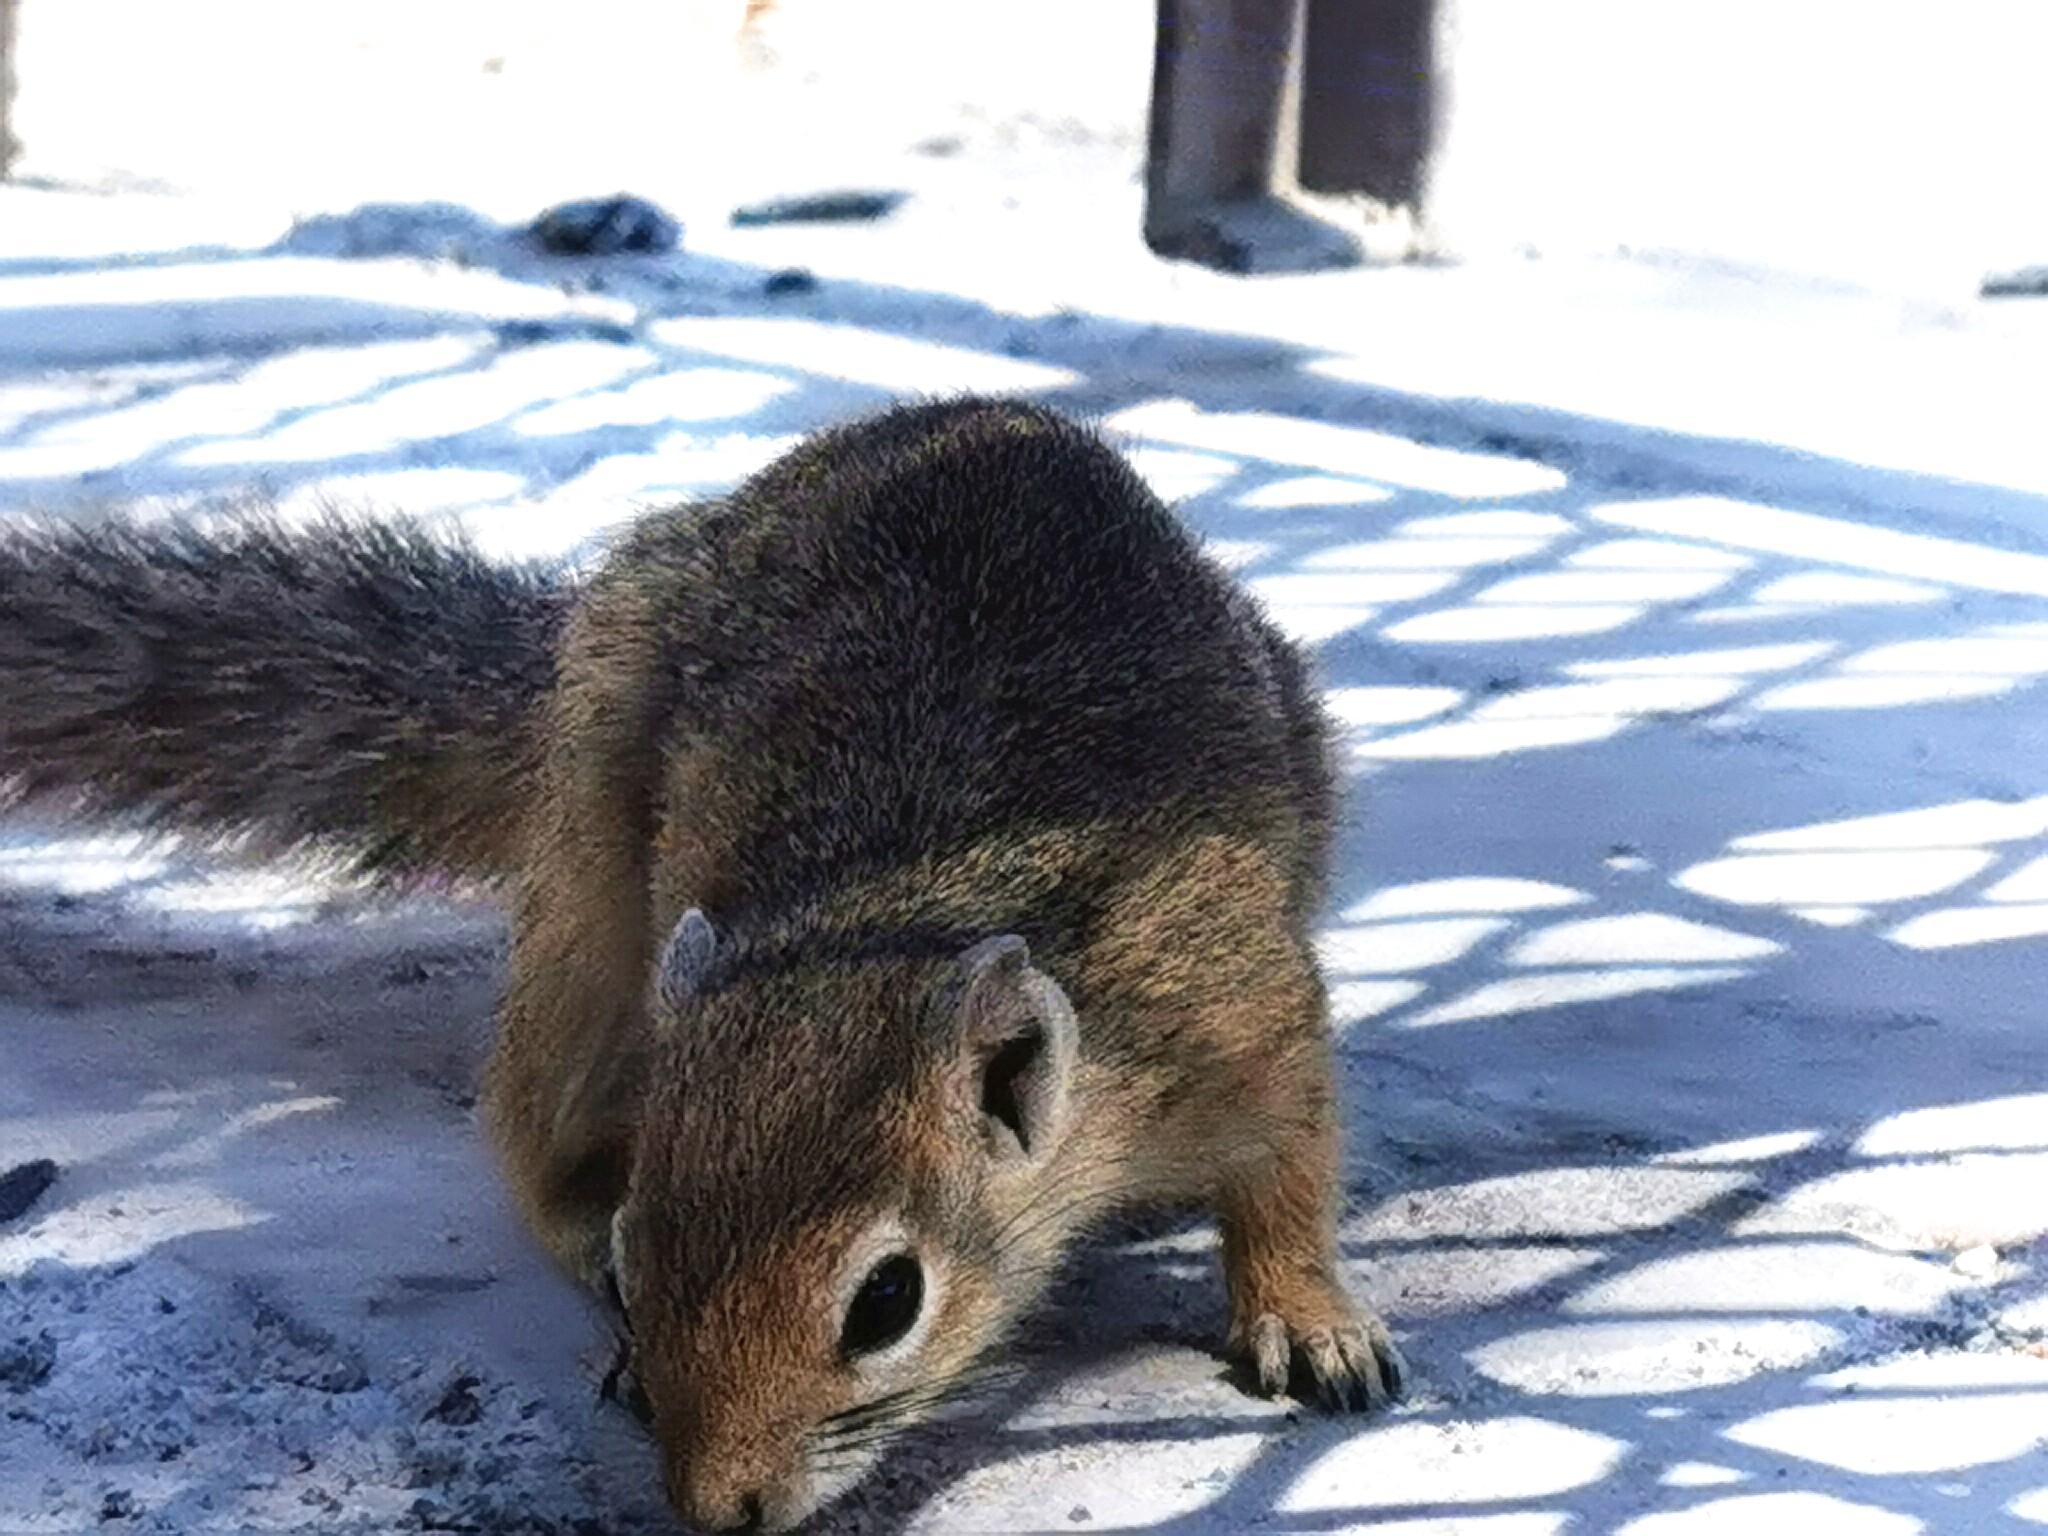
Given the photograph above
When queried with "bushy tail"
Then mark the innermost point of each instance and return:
(364, 686)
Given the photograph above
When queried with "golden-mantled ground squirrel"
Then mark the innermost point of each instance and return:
(911, 860)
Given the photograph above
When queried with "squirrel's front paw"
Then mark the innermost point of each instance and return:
(1344, 1350)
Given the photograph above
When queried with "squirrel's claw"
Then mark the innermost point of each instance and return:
(1352, 1365)
(1271, 1353)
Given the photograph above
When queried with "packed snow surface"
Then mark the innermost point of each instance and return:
(1685, 620)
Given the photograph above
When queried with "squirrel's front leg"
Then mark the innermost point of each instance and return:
(560, 1093)
(1290, 1316)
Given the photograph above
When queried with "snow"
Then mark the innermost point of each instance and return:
(1684, 617)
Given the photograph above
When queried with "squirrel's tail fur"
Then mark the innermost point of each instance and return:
(361, 686)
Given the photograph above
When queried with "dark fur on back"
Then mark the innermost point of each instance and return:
(364, 685)
(965, 619)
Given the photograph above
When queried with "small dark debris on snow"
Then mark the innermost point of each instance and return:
(606, 226)
(532, 333)
(821, 208)
(27, 1363)
(23, 1185)
(323, 1368)
(341, 1378)
(446, 1285)
(2026, 283)
(459, 1404)
(434, 1466)
(790, 280)
(484, 1514)
(119, 1504)
(415, 967)
(433, 1515)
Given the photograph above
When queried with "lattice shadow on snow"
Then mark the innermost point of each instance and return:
(1683, 937)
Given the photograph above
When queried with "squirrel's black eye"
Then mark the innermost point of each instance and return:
(885, 1308)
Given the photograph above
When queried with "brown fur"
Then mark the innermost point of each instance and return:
(1009, 815)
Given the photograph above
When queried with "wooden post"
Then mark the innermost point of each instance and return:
(10, 146)
(1371, 98)
(1225, 76)
(1254, 101)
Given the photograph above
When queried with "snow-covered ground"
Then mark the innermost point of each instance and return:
(1687, 621)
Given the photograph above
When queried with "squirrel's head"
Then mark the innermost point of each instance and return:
(847, 1186)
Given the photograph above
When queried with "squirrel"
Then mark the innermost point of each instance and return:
(910, 858)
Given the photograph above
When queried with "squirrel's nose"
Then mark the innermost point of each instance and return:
(723, 1509)
(723, 1481)
(743, 1516)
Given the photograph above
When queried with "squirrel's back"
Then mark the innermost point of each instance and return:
(963, 618)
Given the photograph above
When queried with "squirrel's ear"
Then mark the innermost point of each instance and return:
(686, 960)
(1016, 1039)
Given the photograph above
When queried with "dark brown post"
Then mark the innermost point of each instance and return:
(1372, 84)
(1254, 101)
(1219, 169)
(10, 146)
